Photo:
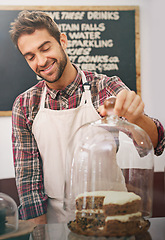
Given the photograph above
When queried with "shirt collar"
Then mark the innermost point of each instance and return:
(70, 89)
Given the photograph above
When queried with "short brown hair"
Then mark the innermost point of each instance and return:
(27, 22)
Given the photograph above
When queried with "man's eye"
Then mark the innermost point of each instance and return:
(45, 49)
(29, 58)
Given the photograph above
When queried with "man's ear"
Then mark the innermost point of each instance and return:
(63, 41)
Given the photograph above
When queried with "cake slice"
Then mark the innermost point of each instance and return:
(121, 203)
(108, 213)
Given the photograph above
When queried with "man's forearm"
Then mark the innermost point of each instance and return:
(39, 220)
(150, 128)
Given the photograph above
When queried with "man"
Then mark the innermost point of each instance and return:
(45, 116)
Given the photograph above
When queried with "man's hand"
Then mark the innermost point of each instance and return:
(130, 106)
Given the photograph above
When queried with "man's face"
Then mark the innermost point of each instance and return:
(44, 54)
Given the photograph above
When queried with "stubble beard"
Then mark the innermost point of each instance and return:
(60, 69)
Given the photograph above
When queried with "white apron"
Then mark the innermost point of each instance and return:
(52, 130)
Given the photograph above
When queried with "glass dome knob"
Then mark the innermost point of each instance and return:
(109, 105)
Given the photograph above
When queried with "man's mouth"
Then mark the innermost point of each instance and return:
(48, 69)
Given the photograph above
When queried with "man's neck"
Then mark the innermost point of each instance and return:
(67, 77)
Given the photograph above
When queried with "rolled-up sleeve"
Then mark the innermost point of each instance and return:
(161, 138)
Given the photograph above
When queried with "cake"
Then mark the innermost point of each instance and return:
(107, 213)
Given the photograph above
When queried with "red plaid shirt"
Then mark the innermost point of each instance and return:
(27, 160)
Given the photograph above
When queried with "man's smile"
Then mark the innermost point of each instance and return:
(48, 68)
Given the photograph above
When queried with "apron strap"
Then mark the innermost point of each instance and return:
(86, 96)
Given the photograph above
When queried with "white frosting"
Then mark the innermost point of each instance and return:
(90, 211)
(123, 218)
(92, 194)
(112, 197)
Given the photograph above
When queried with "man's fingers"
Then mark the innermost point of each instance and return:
(101, 110)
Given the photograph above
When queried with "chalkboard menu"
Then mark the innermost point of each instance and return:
(100, 39)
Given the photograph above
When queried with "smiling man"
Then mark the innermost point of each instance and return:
(46, 115)
(47, 58)
(41, 55)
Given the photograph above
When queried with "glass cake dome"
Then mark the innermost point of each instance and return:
(8, 215)
(109, 154)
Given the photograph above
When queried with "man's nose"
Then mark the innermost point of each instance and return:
(41, 60)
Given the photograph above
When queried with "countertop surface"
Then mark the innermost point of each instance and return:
(61, 232)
